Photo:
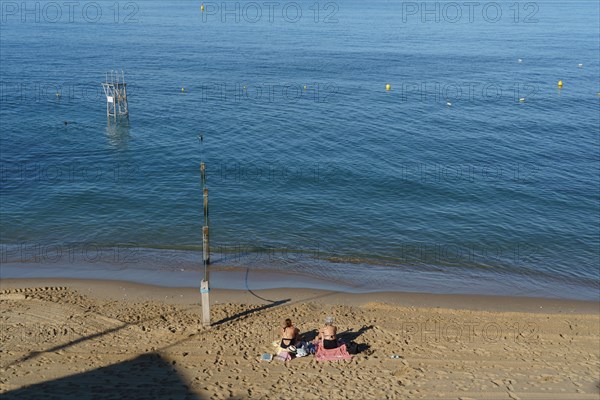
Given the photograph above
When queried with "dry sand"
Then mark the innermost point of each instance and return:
(101, 339)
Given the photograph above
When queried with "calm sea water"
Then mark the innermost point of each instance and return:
(449, 182)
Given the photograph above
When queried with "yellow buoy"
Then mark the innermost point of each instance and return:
(202, 8)
(560, 84)
(182, 89)
(388, 87)
(304, 87)
(57, 94)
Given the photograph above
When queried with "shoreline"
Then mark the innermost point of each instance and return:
(163, 270)
(131, 291)
(264, 270)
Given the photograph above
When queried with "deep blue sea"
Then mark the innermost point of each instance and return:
(474, 173)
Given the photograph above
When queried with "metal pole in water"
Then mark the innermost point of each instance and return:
(204, 286)
(206, 210)
(205, 251)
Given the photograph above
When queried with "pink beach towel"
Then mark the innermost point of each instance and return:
(339, 353)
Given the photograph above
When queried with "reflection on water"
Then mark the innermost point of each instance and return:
(117, 132)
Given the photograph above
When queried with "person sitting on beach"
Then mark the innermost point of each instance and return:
(289, 334)
(328, 334)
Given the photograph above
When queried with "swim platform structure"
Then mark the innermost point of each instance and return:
(115, 89)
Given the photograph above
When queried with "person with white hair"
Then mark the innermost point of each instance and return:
(328, 334)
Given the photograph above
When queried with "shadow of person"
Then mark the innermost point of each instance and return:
(350, 335)
(309, 336)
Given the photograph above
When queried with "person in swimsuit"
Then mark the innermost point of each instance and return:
(328, 334)
(289, 334)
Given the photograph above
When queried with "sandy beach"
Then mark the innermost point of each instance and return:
(79, 339)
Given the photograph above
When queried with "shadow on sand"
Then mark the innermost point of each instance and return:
(309, 336)
(272, 303)
(350, 335)
(147, 376)
(251, 311)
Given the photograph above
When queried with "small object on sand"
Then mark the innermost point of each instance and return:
(283, 356)
(395, 356)
(266, 357)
